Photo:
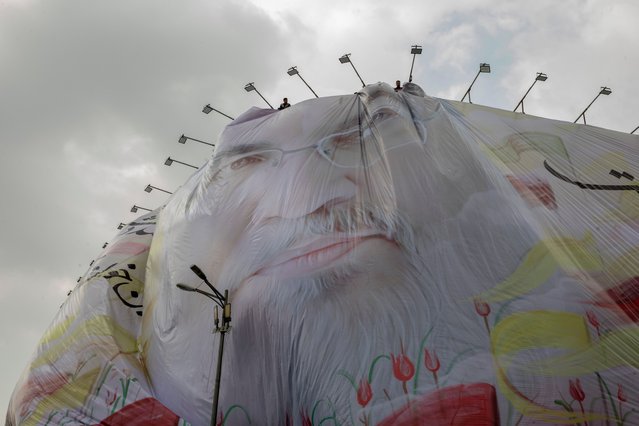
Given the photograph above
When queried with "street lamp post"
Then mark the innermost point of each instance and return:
(170, 161)
(636, 128)
(225, 304)
(183, 140)
(414, 50)
(135, 209)
(604, 91)
(540, 77)
(483, 68)
(150, 188)
(208, 108)
(345, 58)
(249, 87)
(293, 71)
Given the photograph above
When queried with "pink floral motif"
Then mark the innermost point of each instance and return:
(403, 368)
(577, 392)
(621, 396)
(482, 308)
(364, 393)
(432, 364)
(594, 321)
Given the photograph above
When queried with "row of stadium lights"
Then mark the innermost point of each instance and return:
(223, 300)
(484, 68)
(417, 50)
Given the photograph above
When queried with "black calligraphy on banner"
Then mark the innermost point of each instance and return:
(128, 289)
(595, 186)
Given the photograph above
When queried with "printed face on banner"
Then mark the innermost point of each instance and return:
(303, 195)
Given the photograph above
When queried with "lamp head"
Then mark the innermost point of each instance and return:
(416, 50)
(207, 108)
(121, 225)
(541, 76)
(292, 71)
(105, 245)
(483, 67)
(182, 139)
(168, 161)
(605, 91)
(134, 209)
(197, 271)
(185, 287)
(249, 87)
(345, 58)
(148, 188)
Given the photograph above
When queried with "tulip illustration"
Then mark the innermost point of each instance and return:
(306, 420)
(621, 396)
(578, 394)
(403, 368)
(432, 364)
(364, 396)
(364, 393)
(483, 310)
(594, 321)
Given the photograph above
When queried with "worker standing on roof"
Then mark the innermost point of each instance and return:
(284, 104)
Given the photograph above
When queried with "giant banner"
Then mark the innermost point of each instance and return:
(390, 258)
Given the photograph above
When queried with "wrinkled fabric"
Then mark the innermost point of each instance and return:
(391, 258)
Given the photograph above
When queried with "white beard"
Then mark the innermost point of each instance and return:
(294, 341)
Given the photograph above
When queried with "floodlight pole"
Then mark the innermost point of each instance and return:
(415, 50)
(604, 91)
(540, 77)
(223, 302)
(149, 188)
(636, 128)
(249, 87)
(293, 71)
(183, 140)
(135, 209)
(170, 161)
(208, 108)
(346, 58)
(482, 68)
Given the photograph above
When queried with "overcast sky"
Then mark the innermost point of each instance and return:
(94, 95)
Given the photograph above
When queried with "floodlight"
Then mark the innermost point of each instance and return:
(483, 68)
(183, 140)
(344, 58)
(604, 91)
(540, 77)
(251, 87)
(293, 71)
(414, 50)
(150, 188)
